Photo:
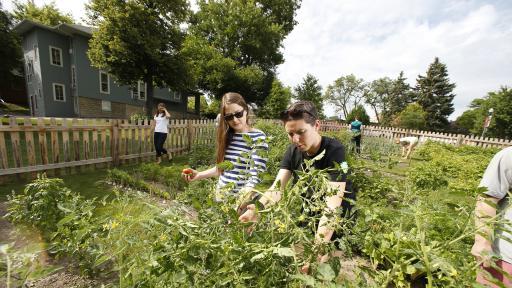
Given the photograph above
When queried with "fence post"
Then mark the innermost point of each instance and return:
(189, 134)
(114, 142)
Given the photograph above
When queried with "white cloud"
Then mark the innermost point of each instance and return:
(373, 39)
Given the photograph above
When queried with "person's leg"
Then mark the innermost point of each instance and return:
(158, 146)
(164, 151)
(358, 144)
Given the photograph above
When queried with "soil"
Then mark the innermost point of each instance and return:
(22, 239)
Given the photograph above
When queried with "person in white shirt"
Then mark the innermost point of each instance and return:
(408, 144)
(159, 126)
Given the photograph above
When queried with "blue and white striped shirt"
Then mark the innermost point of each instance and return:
(248, 154)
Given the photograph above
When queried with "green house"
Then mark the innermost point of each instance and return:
(61, 82)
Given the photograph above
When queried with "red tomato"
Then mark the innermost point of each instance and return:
(187, 171)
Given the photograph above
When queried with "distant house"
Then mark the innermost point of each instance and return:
(61, 82)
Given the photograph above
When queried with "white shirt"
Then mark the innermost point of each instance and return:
(409, 140)
(497, 180)
(161, 123)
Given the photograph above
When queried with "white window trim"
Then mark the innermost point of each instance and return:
(108, 83)
(109, 106)
(63, 92)
(172, 94)
(139, 83)
(29, 70)
(51, 57)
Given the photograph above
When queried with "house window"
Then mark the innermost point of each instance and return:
(73, 77)
(175, 96)
(139, 90)
(56, 56)
(59, 93)
(106, 105)
(104, 83)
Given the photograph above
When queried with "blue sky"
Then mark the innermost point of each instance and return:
(373, 39)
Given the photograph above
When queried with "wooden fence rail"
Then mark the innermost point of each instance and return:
(30, 145)
(62, 145)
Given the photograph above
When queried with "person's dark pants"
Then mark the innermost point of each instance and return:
(159, 139)
(357, 142)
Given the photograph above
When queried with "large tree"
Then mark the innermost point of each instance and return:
(400, 96)
(235, 45)
(276, 102)
(310, 90)
(377, 96)
(345, 90)
(10, 50)
(501, 103)
(435, 95)
(47, 14)
(140, 40)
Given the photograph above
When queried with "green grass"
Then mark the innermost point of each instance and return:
(13, 108)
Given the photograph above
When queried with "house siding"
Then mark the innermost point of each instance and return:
(55, 74)
(84, 99)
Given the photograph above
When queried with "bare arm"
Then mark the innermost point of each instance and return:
(273, 195)
(167, 114)
(485, 212)
(324, 232)
(195, 175)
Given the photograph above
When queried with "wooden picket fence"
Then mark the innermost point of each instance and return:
(449, 138)
(62, 145)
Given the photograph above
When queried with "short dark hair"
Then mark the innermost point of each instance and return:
(300, 110)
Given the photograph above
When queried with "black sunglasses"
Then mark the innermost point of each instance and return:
(296, 113)
(232, 116)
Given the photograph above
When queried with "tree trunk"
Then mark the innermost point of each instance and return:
(150, 103)
(376, 114)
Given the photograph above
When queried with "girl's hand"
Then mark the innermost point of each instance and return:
(189, 174)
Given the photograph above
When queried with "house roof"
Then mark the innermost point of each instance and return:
(26, 26)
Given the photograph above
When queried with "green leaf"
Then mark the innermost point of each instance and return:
(325, 272)
(285, 252)
(308, 280)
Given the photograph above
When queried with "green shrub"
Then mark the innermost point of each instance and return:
(38, 204)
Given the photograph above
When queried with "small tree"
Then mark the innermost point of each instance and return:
(47, 14)
(276, 102)
(360, 113)
(412, 117)
(310, 90)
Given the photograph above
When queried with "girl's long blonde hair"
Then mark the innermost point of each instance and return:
(224, 132)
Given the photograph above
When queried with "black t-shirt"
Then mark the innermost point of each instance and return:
(293, 159)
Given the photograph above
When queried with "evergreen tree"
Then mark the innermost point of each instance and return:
(10, 50)
(310, 90)
(435, 95)
(400, 96)
(277, 101)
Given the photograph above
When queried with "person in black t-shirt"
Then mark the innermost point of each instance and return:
(303, 128)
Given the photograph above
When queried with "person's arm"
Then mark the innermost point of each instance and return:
(271, 196)
(324, 232)
(485, 212)
(167, 114)
(195, 175)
